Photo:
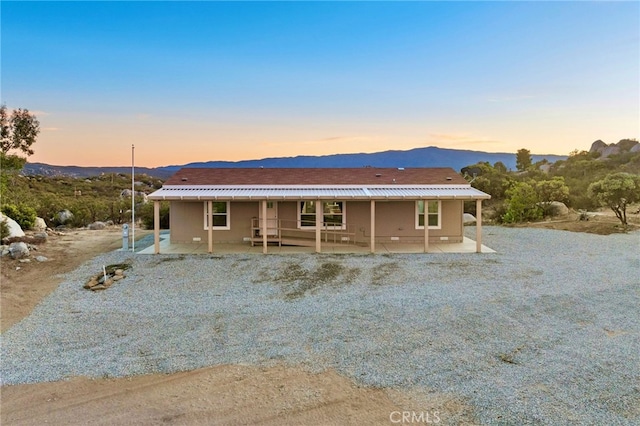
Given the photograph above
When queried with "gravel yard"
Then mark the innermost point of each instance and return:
(545, 331)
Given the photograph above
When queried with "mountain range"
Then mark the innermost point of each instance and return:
(419, 157)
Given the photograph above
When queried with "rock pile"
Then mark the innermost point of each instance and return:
(106, 278)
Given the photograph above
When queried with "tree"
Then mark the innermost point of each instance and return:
(490, 179)
(19, 131)
(616, 190)
(500, 167)
(551, 190)
(522, 204)
(523, 159)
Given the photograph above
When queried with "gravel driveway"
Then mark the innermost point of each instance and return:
(545, 331)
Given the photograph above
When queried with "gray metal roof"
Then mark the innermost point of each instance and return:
(297, 192)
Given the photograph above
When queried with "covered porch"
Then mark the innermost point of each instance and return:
(468, 245)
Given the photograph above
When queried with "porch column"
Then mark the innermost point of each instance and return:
(156, 227)
(426, 225)
(263, 225)
(210, 230)
(478, 226)
(319, 218)
(373, 226)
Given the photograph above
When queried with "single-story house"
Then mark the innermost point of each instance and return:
(311, 206)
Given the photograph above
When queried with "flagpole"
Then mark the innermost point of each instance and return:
(133, 205)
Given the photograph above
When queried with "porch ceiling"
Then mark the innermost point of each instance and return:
(413, 192)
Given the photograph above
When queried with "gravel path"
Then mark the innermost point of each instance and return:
(545, 331)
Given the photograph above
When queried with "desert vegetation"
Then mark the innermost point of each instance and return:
(586, 180)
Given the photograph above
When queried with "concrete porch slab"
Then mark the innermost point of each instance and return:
(466, 246)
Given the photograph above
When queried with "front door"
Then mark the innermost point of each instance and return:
(272, 219)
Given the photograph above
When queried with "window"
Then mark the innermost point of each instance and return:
(220, 215)
(307, 214)
(433, 214)
(333, 217)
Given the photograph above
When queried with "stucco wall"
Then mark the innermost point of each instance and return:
(397, 219)
(187, 222)
(393, 219)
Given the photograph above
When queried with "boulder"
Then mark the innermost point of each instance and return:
(610, 150)
(41, 258)
(64, 216)
(126, 193)
(40, 237)
(557, 208)
(598, 146)
(14, 229)
(635, 148)
(468, 218)
(40, 224)
(97, 225)
(18, 250)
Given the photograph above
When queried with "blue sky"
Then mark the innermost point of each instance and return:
(196, 81)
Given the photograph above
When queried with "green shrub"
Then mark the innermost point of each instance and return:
(522, 204)
(4, 229)
(24, 215)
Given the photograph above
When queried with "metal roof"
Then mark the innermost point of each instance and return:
(299, 192)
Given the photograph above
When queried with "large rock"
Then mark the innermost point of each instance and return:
(64, 216)
(556, 208)
(18, 250)
(610, 150)
(126, 193)
(14, 229)
(97, 226)
(468, 218)
(598, 146)
(40, 224)
(635, 148)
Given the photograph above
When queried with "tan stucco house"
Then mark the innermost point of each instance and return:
(312, 206)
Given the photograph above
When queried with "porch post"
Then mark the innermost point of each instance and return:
(156, 226)
(319, 220)
(210, 230)
(263, 225)
(426, 225)
(373, 226)
(478, 225)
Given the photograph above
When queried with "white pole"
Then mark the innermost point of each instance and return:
(133, 203)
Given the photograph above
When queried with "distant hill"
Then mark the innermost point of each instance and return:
(419, 157)
(42, 169)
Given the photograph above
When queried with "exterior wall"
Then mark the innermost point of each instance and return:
(397, 219)
(187, 222)
(393, 219)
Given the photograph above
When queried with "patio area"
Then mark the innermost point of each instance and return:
(466, 246)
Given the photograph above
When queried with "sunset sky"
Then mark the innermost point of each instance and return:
(199, 81)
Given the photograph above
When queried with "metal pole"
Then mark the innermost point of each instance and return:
(133, 203)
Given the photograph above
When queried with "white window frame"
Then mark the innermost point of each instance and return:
(227, 214)
(322, 203)
(426, 212)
